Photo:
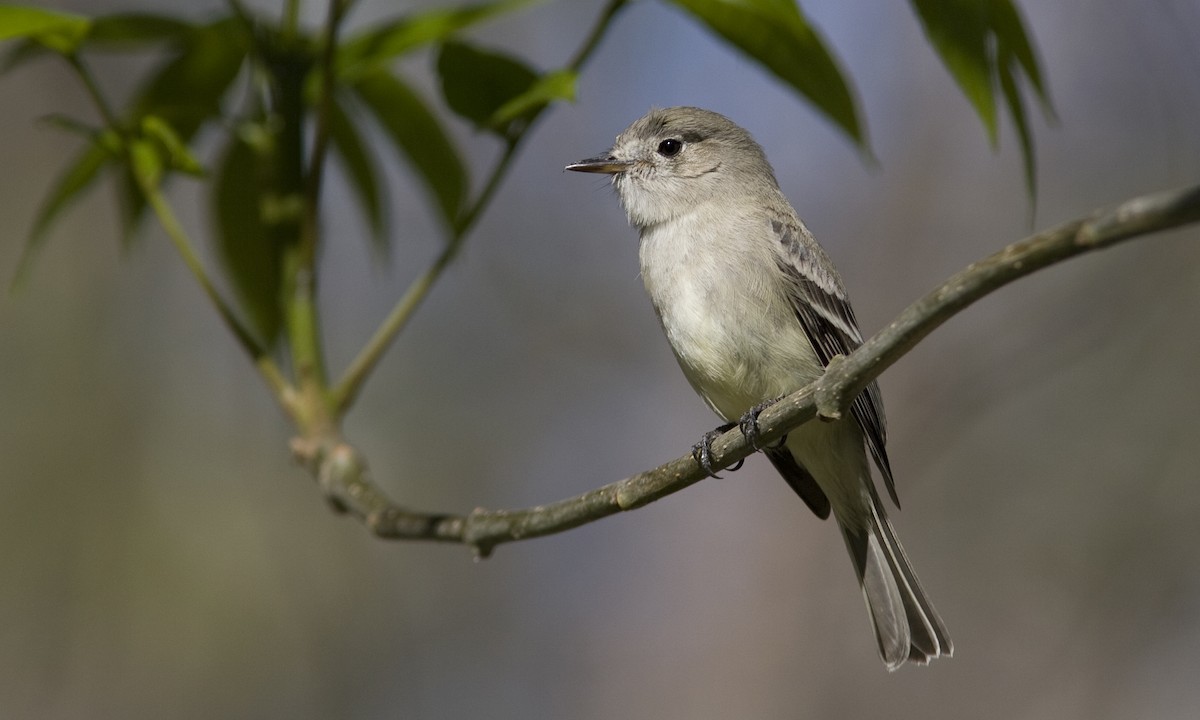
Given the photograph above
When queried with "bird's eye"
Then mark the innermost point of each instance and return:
(669, 147)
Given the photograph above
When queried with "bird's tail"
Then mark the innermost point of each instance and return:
(906, 624)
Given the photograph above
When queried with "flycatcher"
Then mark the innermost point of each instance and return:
(754, 309)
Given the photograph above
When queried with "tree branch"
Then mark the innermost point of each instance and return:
(342, 473)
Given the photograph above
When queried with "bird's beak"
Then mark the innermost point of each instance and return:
(606, 164)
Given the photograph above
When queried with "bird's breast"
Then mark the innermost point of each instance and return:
(719, 297)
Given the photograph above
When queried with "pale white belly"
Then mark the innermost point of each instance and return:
(727, 318)
(738, 341)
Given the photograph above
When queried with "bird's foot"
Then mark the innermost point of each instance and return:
(749, 424)
(702, 451)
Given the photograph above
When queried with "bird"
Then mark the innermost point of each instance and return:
(754, 309)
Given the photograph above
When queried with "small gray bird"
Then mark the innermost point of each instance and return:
(754, 310)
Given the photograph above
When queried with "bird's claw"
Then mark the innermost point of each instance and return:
(702, 451)
(749, 425)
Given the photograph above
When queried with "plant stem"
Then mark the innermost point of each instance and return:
(267, 368)
(303, 320)
(291, 18)
(598, 30)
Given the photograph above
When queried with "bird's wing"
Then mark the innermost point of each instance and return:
(800, 480)
(824, 311)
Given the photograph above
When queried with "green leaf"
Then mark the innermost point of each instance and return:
(958, 31)
(186, 92)
(177, 155)
(557, 85)
(476, 83)
(58, 31)
(251, 258)
(146, 161)
(22, 53)
(131, 206)
(360, 169)
(71, 125)
(79, 176)
(109, 32)
(418, 135)
(983, 43)
(385, 42)
(775, 34)
(1012, 38)
(125, 29)
(497, 92)
(1012, 96)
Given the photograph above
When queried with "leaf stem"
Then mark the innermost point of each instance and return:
(598, 30)
(291, 18)
(303, 319)
(93, 91)
(267, 368)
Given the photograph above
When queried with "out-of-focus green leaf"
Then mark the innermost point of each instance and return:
(390, 40)
(360, 169)
(125, 29)
(79, 176)
(146, 161)
(186, 92)
(1010, 31)
(131, 206)
(416, 132)
(22, 53)
(983, 43)
(58, 31)
(177, 155)
(557, 85)
(958, 31)
(476, 83)
(1012, 96)
(251, 259)
(71, 125)
(775, 34)
(108, 32)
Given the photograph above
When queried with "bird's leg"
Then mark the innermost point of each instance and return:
(702, 451)
(749, 424)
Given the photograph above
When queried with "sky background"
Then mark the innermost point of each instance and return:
(162, 556)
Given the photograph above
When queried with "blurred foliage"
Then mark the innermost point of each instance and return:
(259, 82)
(983, 43)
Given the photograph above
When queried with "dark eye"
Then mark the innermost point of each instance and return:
(669, 147)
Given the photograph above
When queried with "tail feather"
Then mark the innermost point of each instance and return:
(907, 626)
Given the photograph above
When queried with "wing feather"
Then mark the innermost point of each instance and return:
(824, 311)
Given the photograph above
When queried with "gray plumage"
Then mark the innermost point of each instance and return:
(754, 309)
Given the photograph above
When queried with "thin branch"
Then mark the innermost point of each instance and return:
(347, 389)
(598, 31)
(342, 472)
(303, 322)
(267, 368)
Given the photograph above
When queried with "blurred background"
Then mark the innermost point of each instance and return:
(160, 555)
